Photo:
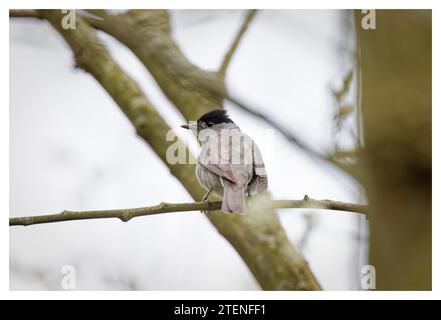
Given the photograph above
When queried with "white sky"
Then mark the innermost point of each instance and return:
(71, 148)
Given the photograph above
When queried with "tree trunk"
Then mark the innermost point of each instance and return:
(395, 63)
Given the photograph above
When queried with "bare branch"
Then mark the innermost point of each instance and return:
(283, 131)
(127, 214)
(249, 17)
(23, 14)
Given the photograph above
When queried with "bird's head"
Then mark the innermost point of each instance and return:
(208, 120)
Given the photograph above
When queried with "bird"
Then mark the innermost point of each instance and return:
(229, 163)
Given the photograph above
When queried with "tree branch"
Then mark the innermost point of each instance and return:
(92, 56)
(127, 214)
(24, 14)
(229, 55)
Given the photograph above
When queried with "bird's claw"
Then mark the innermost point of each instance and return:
(205, 200)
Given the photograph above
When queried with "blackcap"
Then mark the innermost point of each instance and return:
(229, 163)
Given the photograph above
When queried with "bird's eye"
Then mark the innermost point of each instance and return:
(210, 124)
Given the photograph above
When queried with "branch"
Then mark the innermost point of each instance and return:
(291, 138)
(250, 15)
(127, 214)
(23, 14)
(93, 57)
(123, 214)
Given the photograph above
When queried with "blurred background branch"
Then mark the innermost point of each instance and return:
(229, 55)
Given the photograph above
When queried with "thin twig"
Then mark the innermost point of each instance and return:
(128, 214)
(290, 137)
(250, 15)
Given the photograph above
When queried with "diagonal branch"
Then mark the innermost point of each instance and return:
(127, 214)
(93, 57)
(291, 138)
(229, 55)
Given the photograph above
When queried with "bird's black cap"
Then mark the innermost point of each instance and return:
(215, 116)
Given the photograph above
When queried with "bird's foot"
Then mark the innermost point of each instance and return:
(205, 200)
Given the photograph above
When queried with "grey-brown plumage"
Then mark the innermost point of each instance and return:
(230, 163)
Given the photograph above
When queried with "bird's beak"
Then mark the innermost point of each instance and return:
(192, 126)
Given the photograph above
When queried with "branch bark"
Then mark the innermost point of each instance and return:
(25, 13)
(127, 214)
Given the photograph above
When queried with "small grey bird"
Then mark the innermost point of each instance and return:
(230, 163)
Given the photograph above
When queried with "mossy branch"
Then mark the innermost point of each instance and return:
(127, 214)
(24, 13)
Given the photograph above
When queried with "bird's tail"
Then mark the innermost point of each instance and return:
(234, 198)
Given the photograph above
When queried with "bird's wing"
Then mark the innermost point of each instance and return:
(259, 170)
(230, 156)
(214, 159)
(222, 170)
